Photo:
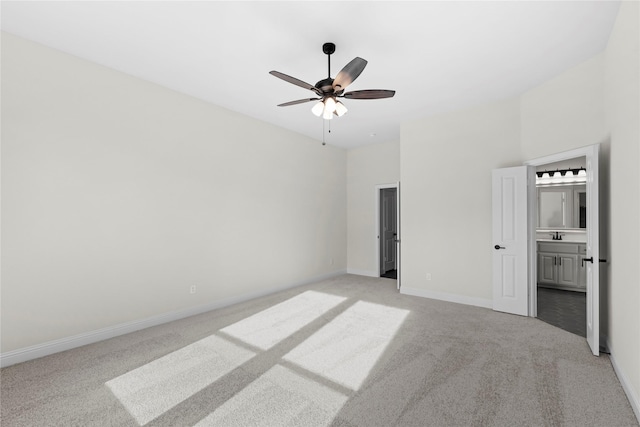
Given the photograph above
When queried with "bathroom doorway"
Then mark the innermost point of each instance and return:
(563, 267)
(561, 244)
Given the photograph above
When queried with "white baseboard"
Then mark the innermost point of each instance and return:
(68, 343)
(626, 384)
(443, 296)
(368, 273)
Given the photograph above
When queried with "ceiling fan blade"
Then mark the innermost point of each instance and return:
(299, 101)
(348, 74)
(294, 81)
(370, 94)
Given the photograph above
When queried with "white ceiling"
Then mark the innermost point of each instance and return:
(438, 56)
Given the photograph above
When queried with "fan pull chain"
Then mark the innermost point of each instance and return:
(329, 131)
(323, 143)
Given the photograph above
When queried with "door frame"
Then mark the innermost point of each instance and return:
(377, 224)
(588, 151)
(383, 237)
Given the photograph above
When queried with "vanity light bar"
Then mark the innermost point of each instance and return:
(561, 176)
(562, 172)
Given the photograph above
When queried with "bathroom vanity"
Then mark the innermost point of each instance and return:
(560, 264)
(561, 237)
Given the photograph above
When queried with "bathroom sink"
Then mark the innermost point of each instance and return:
(560, 241)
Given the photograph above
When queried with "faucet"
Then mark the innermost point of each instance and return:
(556, 235)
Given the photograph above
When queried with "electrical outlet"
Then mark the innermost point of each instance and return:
(192, 290)
(428, 276)
(330, 261)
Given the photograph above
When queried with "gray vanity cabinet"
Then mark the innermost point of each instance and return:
(559, 265)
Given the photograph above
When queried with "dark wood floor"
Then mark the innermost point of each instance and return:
(564, 309)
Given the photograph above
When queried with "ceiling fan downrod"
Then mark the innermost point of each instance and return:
(328, 49)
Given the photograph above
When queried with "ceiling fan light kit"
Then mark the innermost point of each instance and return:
(329, 90)
(318, 109)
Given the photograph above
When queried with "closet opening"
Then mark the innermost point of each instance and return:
(387, 231)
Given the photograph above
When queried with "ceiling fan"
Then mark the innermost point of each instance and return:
(328, 90)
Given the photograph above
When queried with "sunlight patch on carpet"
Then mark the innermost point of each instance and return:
(152, 389)
(279, 397)
(347, 348)
(268, 327)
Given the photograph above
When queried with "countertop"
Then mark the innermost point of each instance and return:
(560, 241)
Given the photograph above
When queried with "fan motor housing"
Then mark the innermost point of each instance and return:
(326, 85)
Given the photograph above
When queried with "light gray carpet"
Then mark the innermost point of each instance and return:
(349, 351)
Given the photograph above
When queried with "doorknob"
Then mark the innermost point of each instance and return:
(497, 247)
(587, 259)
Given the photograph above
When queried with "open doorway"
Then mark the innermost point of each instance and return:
(388, 231)
(586, 263)
(561, 244)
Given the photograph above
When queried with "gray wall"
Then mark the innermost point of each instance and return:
(118, 195)
(367, 167)
(622, 113)
(446, 162)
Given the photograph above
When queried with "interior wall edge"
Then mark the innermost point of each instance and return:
(56, 346)
(634, 400)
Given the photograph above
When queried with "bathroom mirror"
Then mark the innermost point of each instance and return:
(562, 206)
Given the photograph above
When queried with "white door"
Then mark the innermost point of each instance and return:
(510, 188)
(591, 260)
